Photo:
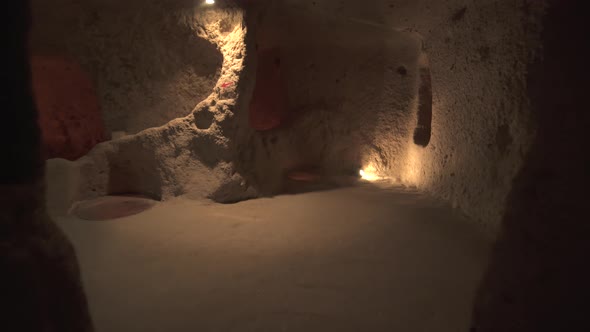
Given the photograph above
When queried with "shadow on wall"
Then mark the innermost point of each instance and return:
(538, 276)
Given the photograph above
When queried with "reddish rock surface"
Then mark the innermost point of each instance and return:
(269, 100)
(69, 113)
(112, 207)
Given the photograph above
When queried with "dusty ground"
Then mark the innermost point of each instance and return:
(356, 259)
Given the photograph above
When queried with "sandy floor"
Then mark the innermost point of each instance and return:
(356, 259)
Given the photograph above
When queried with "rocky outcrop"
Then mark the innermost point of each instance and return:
(147, 67)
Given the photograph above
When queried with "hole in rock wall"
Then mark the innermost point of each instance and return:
(423, 129)
(320, 108)
(153, 83)
(204, 119)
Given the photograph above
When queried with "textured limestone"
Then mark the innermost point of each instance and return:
(345, 95)
(481, 125)
(69, 114)
(355, 77)
(148, 69)
(482, 128)
(190, 155)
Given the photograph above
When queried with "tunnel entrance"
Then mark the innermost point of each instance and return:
(108, 71)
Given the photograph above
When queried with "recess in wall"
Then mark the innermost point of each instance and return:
(423, 130)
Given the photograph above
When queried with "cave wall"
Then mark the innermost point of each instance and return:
(481, 126)
(192, 154)
(349, 87)
(147, 68)
(477, 55)
(354, 75)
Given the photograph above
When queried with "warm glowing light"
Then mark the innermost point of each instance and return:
(368, 174)
(413, 166)
(210, 2)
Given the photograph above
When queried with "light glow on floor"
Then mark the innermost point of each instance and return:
(369, 174)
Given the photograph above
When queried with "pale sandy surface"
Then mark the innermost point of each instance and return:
(355, 259)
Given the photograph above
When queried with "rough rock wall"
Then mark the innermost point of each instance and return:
(190, 155)
(477, 56)
(538, 275)
(334, 122)
(147, 69)
(354, 74)
(350, 88)
(481, 129)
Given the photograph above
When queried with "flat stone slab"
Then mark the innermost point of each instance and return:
(111, 207)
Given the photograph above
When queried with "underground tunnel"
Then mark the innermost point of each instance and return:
(335, 165)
